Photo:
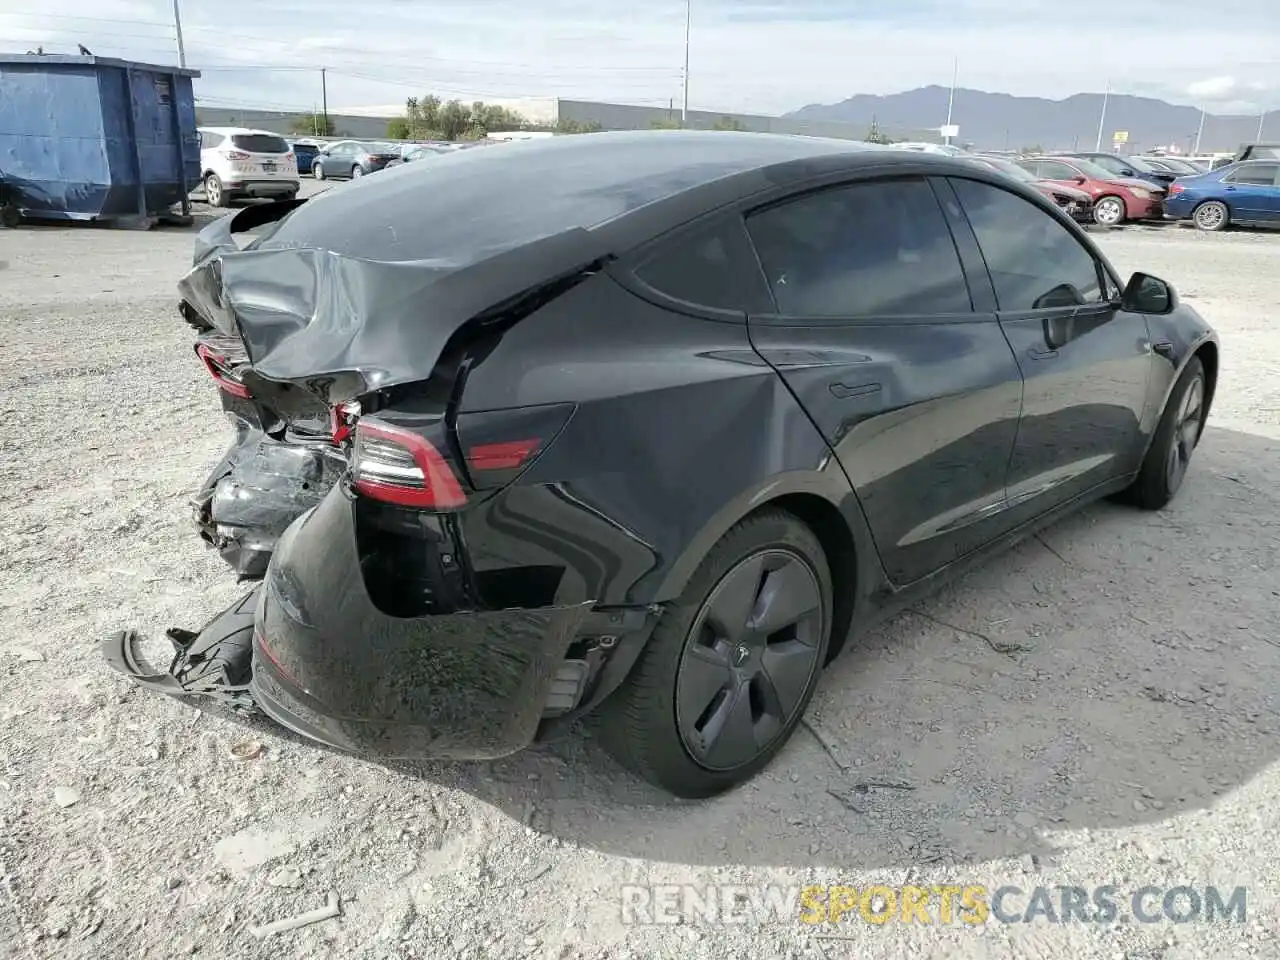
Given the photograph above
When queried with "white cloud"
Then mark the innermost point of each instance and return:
(745, 54)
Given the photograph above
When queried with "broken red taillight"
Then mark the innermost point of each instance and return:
(222, 372)
(400, 467)
(342, 420)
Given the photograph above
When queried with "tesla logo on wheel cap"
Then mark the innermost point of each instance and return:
(740, 656)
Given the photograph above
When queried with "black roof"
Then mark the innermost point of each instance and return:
(472, 203)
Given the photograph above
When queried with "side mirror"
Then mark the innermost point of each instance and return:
(1147, 294)
(1079, 179)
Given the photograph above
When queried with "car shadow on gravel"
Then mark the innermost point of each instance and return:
(1112, 671)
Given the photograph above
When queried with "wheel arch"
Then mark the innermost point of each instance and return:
(828, 507)
(1208, 354)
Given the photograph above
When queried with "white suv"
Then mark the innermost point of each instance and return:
(239, 162)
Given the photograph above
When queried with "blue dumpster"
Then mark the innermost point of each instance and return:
(93, 138)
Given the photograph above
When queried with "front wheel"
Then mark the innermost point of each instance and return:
(1109, 211)
(317, 171)
(357, 171)
(731, 666)
(1213, 215)
(1177, 435)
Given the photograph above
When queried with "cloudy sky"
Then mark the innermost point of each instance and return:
(764, 56)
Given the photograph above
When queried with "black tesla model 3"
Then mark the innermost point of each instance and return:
(651, 424)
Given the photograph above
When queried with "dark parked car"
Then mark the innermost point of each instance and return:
(1173, 165)
(1115, 199)
(1247, 194)
(353, 158)
(658, 438)
(1132, 168)
(1074, 202)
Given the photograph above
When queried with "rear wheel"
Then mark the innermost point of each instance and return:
(317, 171)
(357, 171)
(1176, 437)
(731, 666)
(1109, 211)
(214, 193)
(1212, 215)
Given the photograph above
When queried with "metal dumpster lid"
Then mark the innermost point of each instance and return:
(58, 59)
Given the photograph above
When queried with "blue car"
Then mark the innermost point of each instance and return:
(1245, 193)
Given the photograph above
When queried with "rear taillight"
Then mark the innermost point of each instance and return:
(237, 155)
(1175, 188)
(342, 419)
(398, 466)
(221, 371)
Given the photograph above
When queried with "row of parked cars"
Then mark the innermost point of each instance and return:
(241, 163)
(1110, 189)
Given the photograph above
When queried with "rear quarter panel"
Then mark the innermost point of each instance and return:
(680, 430)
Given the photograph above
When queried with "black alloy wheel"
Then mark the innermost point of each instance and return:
(1176, 438)
(749, 660)
(730, 668)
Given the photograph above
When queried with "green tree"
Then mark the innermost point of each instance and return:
(312, 124)
(727, 123)
(430, 118)
(668, 124)
(1035, 148)
(876, 135)
(577, 126)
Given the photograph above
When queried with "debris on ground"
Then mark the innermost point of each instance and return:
(327, 912)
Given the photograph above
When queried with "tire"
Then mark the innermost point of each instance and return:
(214, 192)
(10, 217)
(357, 172)
(1212, 215)
(1109, 211)
(660, 723)
(317, 171)
(1181, 425)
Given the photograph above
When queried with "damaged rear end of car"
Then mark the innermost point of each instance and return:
(355, 485)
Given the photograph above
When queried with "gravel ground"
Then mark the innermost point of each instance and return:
(1095, 707)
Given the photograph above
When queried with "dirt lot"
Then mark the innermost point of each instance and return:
(1130, 738)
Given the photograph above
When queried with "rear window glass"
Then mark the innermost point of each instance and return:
(259, 143)
(466, 204)
(708, 267)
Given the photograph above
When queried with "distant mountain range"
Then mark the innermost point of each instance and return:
(999, 121)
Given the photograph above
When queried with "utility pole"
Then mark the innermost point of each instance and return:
(951, 100)
(1200, 131)
(177, 26)
(1261, 120)
(324, 96)
(1102, 120)
(688, 21)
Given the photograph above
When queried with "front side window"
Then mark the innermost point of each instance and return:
(1259, 174)
(1034, 261)
(1056, 170)
(1110, 164)
(876, 249)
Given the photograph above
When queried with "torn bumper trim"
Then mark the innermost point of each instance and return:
(210, 664)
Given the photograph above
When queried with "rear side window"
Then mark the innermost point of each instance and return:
(1262, 174)
(710, 267)
(210, 140)
(1034, 261)
(259, 143)
(876, 249)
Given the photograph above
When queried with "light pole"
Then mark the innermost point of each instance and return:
(177, 26)
(1102, 120)
(1200, 131)
(1261, 120)
(688, 21)
(951, 100)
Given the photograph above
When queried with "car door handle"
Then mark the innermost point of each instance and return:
(1163, 347)
(847, 391)
(1042, 353)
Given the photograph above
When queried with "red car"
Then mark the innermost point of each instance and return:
(1115, 199)
(1074, 202)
